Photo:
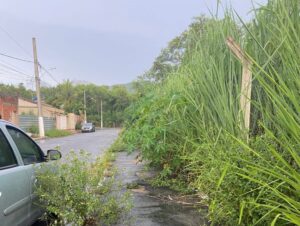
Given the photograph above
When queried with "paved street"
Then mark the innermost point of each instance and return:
(95, 143)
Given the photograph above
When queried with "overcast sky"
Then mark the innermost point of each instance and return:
(103, 42)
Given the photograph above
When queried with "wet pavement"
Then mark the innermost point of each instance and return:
(154, 206)
(95, 143)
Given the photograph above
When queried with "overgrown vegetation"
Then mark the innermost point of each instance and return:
(189, 124)
(57, 133)
(80, 192)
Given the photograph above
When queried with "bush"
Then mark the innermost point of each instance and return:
(57, 133)
(79, 192)
(34, 129)
(78, 126)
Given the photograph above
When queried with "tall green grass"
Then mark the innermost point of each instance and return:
(277, 172)
(190, 125)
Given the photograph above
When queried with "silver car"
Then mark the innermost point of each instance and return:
(18, 156)
(88, 127)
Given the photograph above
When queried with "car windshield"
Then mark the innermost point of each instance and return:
(88, 124)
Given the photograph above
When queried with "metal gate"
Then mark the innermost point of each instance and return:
(27, 121)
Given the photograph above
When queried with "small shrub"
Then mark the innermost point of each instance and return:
(78, 192)
(78, 126)
(34, 129)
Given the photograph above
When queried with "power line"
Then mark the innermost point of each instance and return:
(16, 58)
(18, 77)
(10, 68)
(30, 61)
(25, 51)
(49, 74)
(8, 71)
(13, 66)
(15, 41)
(14, 77)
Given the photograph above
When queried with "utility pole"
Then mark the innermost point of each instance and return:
(38, 94)
(84, 102)
(101, 115)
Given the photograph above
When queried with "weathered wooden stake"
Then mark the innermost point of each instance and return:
(245, 99)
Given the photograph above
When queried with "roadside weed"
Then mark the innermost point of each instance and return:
(81, 192)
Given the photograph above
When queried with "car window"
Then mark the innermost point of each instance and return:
(7, 158)
(29, 151)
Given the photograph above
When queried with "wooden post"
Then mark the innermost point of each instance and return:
(246, 87)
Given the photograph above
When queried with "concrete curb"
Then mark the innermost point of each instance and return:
(73, 132)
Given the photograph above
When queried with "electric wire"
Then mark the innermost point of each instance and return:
(15, 41)
(16, 58)
(14, 67)
(49, 74)
(14, 77)
(10, 68)
(25, 51)
(8, 71)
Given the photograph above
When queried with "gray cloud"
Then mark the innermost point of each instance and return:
(105, 42)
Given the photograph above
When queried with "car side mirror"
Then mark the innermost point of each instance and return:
(53, 155)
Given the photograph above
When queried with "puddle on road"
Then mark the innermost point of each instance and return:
(162, 206)
(178, 215)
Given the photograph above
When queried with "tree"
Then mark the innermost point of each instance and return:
(171, 57)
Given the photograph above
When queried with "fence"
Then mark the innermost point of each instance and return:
(67, 121)
(27, 121)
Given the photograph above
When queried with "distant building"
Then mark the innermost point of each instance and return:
(26, 107)
(8, 108)
(24, 113)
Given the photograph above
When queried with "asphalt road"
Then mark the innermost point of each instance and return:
(95, 143)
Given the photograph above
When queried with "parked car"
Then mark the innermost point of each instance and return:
(88, 127)
(19, 157)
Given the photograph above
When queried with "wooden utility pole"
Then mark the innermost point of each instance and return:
(246, 87)
(38, 94)
(84, 102)
(101, 115)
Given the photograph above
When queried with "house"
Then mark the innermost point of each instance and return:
(24, 113)
(53, 117)
(28, 115)
(26, 107)
(8, 108)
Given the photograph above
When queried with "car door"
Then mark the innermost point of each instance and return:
(15, 201)
(32, 156)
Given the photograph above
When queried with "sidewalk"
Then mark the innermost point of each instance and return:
(153, 206)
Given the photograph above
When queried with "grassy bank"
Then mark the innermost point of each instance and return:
(57, 133)
(190, 125)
